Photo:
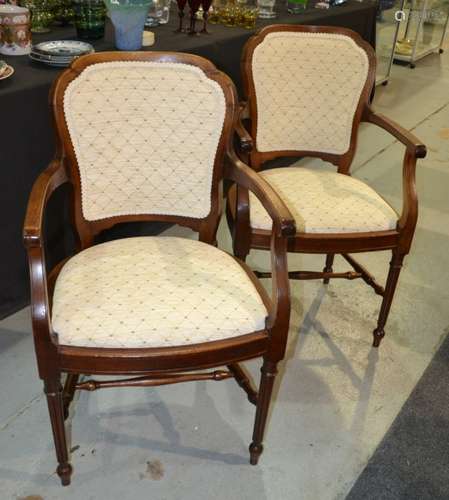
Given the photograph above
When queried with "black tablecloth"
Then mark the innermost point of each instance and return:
(26, 136)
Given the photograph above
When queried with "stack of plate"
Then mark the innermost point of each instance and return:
(59, 53)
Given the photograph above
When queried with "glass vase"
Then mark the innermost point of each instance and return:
(90, 16)
(128, 18)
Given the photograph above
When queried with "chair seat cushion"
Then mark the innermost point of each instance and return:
(154, 292)
(324, 202)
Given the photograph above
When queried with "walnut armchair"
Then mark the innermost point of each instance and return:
(307, 90)
(159, 309)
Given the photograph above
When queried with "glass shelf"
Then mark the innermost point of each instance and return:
(422, 29)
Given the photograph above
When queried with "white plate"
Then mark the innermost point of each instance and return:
(63, 48)
(9, 72)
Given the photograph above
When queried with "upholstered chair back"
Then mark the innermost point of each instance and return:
(306, 89)
(145, 136)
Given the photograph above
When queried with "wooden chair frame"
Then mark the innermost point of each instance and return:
(152, 366)
(398, 240)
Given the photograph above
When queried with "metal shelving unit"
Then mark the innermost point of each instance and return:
(422, 30)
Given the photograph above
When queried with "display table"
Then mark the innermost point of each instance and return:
(27, 144)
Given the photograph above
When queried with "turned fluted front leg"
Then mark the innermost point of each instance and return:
(390, 287)
(269, 372)
(53, 391)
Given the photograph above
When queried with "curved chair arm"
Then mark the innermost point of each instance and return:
(283, 226)
(241, 174)
(47, 182)
(413, 144)
(414, 149)
(245, 140)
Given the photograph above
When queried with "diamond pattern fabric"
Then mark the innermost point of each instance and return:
(324, 202)
(145, 135)
(307, 89)
(154, 292)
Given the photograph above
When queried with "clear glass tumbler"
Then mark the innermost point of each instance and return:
(159, 13)
(266, 9)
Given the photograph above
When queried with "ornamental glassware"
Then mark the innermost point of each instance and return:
(90, 16)
(194, 6)
(41, 15)
(266, 9)
(128, 18)
(249, 17)
(181, 14)
(205, 4)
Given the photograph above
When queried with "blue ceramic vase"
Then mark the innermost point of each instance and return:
(128, 18)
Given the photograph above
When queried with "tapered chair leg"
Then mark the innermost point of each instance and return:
(269, 372)
(53, 391)
(328, 267)
(390, 287)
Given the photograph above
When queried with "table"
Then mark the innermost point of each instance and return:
(27, 143)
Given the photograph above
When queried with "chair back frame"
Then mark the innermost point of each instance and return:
(343, 161)
(88, 229)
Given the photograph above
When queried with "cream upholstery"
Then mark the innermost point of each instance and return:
(137, 129)
(324, 202)
(154, 292)
(307, 89)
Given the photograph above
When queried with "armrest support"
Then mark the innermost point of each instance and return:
(283, 226)
(414, 149)
(412, 143)
(47, 182)
(241, 174)
(246, 142)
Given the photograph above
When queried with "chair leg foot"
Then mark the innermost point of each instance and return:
(53, 391)
(328, 267)
(269, 371)
(65, 474)
(378, 335)
(390, 287)
(254, 453)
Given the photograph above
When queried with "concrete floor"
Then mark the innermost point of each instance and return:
(337, 398)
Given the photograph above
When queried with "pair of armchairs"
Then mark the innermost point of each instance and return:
(149, 136)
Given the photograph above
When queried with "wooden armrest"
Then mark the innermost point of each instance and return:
(283, 226)
(49, 180)
(246, 177)
(412, 143)
(246, 142)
